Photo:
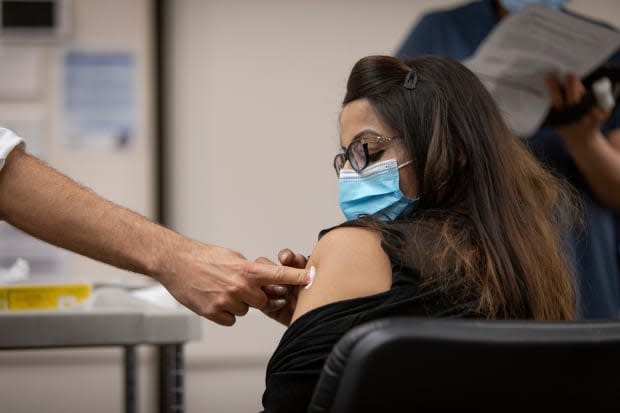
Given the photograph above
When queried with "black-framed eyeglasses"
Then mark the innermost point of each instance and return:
(357, 152)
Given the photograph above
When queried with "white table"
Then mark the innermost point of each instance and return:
(167, 330)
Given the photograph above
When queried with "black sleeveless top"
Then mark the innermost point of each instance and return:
(295, 366)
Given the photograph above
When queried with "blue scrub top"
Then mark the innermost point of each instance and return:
(457, 33)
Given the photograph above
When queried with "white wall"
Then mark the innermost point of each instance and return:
(255, 95)
(123, 176)
(81, 380)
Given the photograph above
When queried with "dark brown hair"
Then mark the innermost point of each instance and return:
(487, 235)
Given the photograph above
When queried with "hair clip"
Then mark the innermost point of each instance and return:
(411, 80)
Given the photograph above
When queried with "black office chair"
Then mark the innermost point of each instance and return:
(412, 364)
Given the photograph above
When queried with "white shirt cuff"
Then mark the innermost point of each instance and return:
(8, 142)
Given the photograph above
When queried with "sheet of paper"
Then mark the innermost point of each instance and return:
(99, 99)
(514, 59)
(27, 121)
(43, 258)
(21, 69)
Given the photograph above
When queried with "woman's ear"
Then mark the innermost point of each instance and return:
(410, 185)
(461, 160)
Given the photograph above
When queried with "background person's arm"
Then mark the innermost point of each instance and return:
(596, 156)
(598, 159)
(215, 282)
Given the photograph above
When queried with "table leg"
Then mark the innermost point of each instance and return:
(131, 380)
(171, 372)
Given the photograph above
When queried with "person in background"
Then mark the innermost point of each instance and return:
(448, 214)
(214, 282)
(586, 153)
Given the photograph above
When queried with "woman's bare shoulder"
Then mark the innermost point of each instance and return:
(349, 263)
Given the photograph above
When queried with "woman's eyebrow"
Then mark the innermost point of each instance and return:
(359, 136)
(364, 133)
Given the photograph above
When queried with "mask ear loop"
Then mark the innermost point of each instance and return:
(411, 80)
(402, 165)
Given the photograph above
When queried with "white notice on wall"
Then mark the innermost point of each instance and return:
(26, 121)
(20, 73)
(43, 258)
(99, 100)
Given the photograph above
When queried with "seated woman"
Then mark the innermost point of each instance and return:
(448, 215)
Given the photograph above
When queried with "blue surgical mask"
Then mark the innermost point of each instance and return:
(513, 6)
(373, 191)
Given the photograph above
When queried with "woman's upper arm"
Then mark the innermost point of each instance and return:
(349, 263)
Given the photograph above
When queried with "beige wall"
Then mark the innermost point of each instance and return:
(255, 92)
(87, 380)
(125, 177)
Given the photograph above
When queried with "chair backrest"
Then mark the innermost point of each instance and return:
(413, 364)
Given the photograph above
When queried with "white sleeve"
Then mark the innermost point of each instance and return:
(8, 141)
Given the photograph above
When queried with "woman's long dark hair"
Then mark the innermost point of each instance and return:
(488, 232)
